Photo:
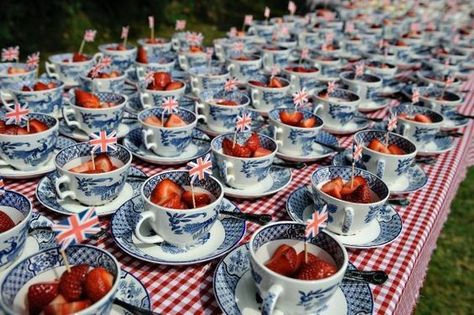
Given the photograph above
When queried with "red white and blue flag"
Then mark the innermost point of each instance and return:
(200, 168)
(316, 223)
(356, 152)
(170, 105)
(415, 98)
(103, 142)
(89, 35)
(331, 87)
(275, 70)
(266, 12)
(233, 31)
(300, 97)
(194, 38)
(151, 21)
(304, 53)
(230, 84)
(180, 25)
(76, 228)
(11, 53)
(359, 69)
(349, 27)
(124, 33)
(105, 61)
(392, 123)
(238, 46)
(243, 122)
(17, 114)
(291, 7)
(248, 19)
(2, 186)
(32, 61)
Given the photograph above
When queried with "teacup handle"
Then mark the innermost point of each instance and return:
(8, 98)
(194, 86)
(3, 163)
(183, 62)
(277, 132)
(270, 299)
(63, 194)
(231, 69)
(404, 128)
(97, 57)
(348, 219)
(317, 108)
(380, 168)
(229, 167)
(72, 123)
(175, 44)
(149, 145)
(267, 61)
(293, 80)
(147, 239)
(51, 70)
(219, 51)
(145, 99)
(255, 101)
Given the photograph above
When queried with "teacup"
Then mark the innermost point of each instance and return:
(262, 29)
(294, 140)
(121, 59)
(238, 172)
(290, 43)
(245, 69)
(93, 120)
(367, 86)
(419, 133)
(155, 49)
(345, 217)
(205, 78)
(222, 118)
(61, 67)
(309, 39)
(224, 48)
(191, 59)
(299, 79)
(30, 151)
(12, 242)
(154, 98)
(163, 63)
(438, 99)
(288, 295)
(388, 167)
(44, 101)
(266, 98)
(179, 41)
(90, 189)
(327, 65)
(337, 109)
(14, 80)
(274, 56)
(176, 226)
(382, 69)
(167, 141)
(434, 78)
(112, 85)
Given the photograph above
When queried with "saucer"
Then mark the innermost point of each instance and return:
(277, 179)
(134, 142)
(236, 293)
(132, 291)
(373, 105)
(10, 172)
(317, 151)
(224, 235)
(46, 195)
(257, 123)
(437, 146)
(350, 127)
(80, 135)
(384, 229)
(453, 121)
(414, 180)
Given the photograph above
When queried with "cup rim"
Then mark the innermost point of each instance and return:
(73, 63)
(187, 126)
(319, 119)
(24, 66)
(42, 133)
(120, 77)
(385, 154)
(243, 158)
(59, 87)
(142, 41)
(103, 48)
(97, 110)
(271, 88)
(25, 220)
(426, 111)
(165, 92)
(337, 100)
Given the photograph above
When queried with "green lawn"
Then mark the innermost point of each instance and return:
(449, 285)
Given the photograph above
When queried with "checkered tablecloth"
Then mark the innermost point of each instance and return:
(188, 290)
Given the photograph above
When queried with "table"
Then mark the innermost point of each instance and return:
(188, 290)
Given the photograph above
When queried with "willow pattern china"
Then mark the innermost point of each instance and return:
(265, 98)
(244, 68)
(274, 56)
(111, 85)
(366, 86)
(13, 80)
(298, 80)
(191, 59)
(163, 63)
(121, 59)
(154, 98)
(336, 109)
(62, 67)
(204, 78)
(156, 48)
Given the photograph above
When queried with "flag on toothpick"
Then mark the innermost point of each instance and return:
(151, 22)
(103, 142)
(11, 53)
(95, 70)
(415, 98)
(180, 25)
(291, 7)
(89, 35)
(194, 38)
(32, 61)
(124, 33)
(329, 37)
(248, 20)
(170, 105)
(449, 80)
(200, 169)
(304, 53)
(316, 223)
(266, 13)
(359, 69)
(331, 87)
(243, 122)
(238, 46)
(392, 123)
(149, 77)
(356, 152)
(2, 186)
(76, 228)
(300, 97)
(17, 114)
(209, 52)
(349, 27)
(105, 61)
(230, 84)
(275, 70)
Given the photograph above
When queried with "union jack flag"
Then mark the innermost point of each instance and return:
(95, 70)
(382, 43)
(103, 142)
(329, 37)
(266, 13)
(89, 35)
(446, 64)
(200, 168)
(318, 221)
(180, 25)
(230, 84)
(394, 103)
(11, 53)
(105, 61)
(194, 38)
(248, 19)
(2, 186)
(243, 122)
(356, 152)
(304, 53)
(359, 69)
(392, 123)
(76, 228)
(124, 32)
(349, 27)
(414, 27)
(331, 87)
(209, 52)
(233, 31)
(149, 77)
(238, 46)
(449, 80)
(151, 21)
(32, 61)
(17, 114)
(300, 97)
(275, 70)
(291, 7)
(170, 105)
(415, 98)
(284, 31)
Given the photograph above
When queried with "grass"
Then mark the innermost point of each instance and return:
(449, 285)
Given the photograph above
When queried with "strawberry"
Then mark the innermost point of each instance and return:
(174, 202)
(41, 294)
(195, 48)
(292, 119)
(71, 282)
(275, 83)
(142, 55)
(86, 99)
(284, 261)
(161, 79)
(98, 283)
(378, 146)
(52, 85)
(395, 149)
(257, 83)
(174, 85)
(253, 142)
(302, 259)
(13, 70)
(240, 150)
(77, 57)
(174, 121)
(201, 199)
(40, 86)
(154, 121)
(37, 126)
(164, 190)
(423, 119)
(25, 89)
(403, 116)
(6, 223)
(104, 163)
(227, 147)
(319, 269)
(333, 187)
(360, 195)
(350, 186)
(227, 102)
(66, 308)
(261, 152)
(308, 123)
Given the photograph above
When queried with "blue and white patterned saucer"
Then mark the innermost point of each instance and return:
(385, 229)
(373, 105)
(437, 146)
(453, 121)
(132, 291)
(350, 127)
(278, 178)
(318, 151)
(236, 293)
(10, 172)
(80, 135)
(46, 195)
(223, 236)
(414, 180)
(134, 142)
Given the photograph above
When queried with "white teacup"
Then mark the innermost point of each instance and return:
(366, 86)
(205, 78)
(14, 80)
(112, 85)
(162, 63)
(300, 79)
(337, 109)
(190, 59)
(61, 67)
(274, 56)
(121, 59)
(155, 49)
(267, 98)
(244, 70)
(153, 98)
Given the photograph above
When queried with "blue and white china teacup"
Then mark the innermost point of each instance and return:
(238, 172)
(90, 189)
(62, 67)
(382, 69)
(438, 99)
(327, 65)
(164, 63)
(273, 55)
(309, 38)
(204, 78)
(121, 59)
(155, 49)
(345, 217)
(12, 242)
(167, 141)
(179, 41)
(262, 29)
(366, 86)
(191, 59)
(244, 67)
(113, 85)
(267, 98)
(221, 118)
(224, 47)
(437, 79)
(153, 98)
(419, 133)
(338, 109)
(30, 151)
(388, 167)
(48, 265)
(14, 80)
(288, 295)
(299, 79)
(93, 120)
(294, 140)
(44, 101)
(290, 43)
(402, 52)
(176, 226)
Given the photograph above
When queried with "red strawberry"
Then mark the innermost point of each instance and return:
(71, 283)
(174, 121)
(395, 149)
(13, 70)
(77, 57)
(350, 186)
(302, 259)
(423, 119)
(378, 146)
(104, 163)
(284, 261)
(40, 86)
(333, 187)
(154, 121)
(174, 202)
(360, 195)
(261, 152)
(86, 99)
(241, 151)
(142, 55)
(253, 142)
(161, 79)
(256, 83)
(174, 85)
(40, 295)
(275, 83)
(226, 102)
(201, 199)
(195, 48)
(319, 269)
(37, 126)
(6, 222)
(227, 145)
(292, 119)
(25, 89)
(66, 308)
(165, 190)
(51, 85)
(308, 123)
(98, 283)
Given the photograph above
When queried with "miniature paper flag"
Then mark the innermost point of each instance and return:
(2, 186)
(180, 25)
(300, 97)
(349, 27)
(76, 228)
(248, 19)
(331, 87)
(200, 168)
(151, 21)
(329, 37)
(392, 123)
(275, 70)
(382, 43)
(415, 98)
(238, 46)
(32, 61)
(266, 13)
(230, 84)
(431, 26)
(95, 70)
(17, 114)
(11, 53)
(356, 152)
(449, 80)
(304, 53)
(284, 31)
(170, 105)
(394, 103)
(233, 31)
(359, 69)
(243, 122)
(194, 38)
(105, 61)
(317, 222)
(150, 77)
(456, 38)
(89, 35)
(103, 142)
(291, 7)
(209, 52)
(124, 32)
